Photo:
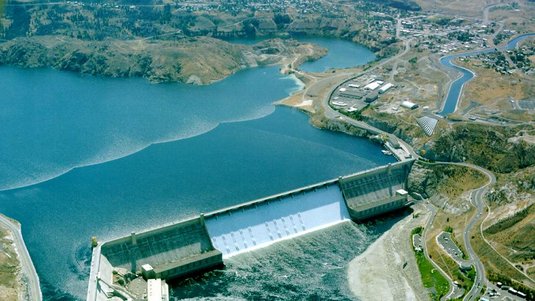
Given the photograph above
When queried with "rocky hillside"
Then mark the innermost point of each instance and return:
(199, 60)
(447, 181)
(499, 149)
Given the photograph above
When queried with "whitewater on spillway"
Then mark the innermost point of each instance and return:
(289, 216)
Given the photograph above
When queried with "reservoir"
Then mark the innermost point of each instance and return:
(341, 54)
(83, 156)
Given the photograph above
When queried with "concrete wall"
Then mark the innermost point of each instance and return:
(373, 192)
(159, 247)
(200, 243)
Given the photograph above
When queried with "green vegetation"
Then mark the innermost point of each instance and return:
(417, 230)
(442, 21)
(495, 265)
(495, 277)
(514, 238)
(465, 278)
(485, 146)
(448, 180)
(508, 222)
(461, 36)
(431, 278)
(405, 5)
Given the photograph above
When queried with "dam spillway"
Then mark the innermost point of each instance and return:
(261, 223)
(202, 243)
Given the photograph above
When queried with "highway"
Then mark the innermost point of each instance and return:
(28, 270)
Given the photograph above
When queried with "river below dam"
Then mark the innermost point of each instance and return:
(83, 156)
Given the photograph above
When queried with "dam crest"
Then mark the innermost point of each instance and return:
(202, 243)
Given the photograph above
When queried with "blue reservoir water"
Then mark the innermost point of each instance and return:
(341, 54)
(83, 156)
(454, 92)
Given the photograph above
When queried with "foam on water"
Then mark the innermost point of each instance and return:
(258, 114)
(308, 267)
(299, 85)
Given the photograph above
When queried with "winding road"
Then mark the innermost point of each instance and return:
(28, 270)
(476, 196)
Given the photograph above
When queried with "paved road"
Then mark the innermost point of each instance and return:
(486, 11)
(453, 291)
(476, 198)
(34, 289)
(476, 195)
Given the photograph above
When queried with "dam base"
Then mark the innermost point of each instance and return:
(202, 243)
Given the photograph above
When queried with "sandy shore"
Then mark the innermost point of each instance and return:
(387, 270)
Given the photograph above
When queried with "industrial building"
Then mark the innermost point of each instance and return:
(373, 85)
(385, 88)
(409, 105)
(357, 93)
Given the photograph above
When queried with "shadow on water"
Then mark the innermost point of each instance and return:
(309, 267)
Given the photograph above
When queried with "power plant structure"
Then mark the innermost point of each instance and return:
(202, 243)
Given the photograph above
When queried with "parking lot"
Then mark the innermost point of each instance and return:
(500, 293)
(445, 241)
(527, 104)
(417, 242)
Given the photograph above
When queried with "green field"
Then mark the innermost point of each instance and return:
(431, 278)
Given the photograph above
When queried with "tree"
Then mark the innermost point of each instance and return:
(166, 14)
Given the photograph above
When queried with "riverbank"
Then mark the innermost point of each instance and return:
(18, 279)
(387, 270)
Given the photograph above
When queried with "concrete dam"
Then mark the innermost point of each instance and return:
(120, 267)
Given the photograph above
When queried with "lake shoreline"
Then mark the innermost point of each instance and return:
(196, 61)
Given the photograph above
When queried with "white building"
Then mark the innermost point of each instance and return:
(157, 290)
(374, 85)
(409, 105)
(385, 88)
